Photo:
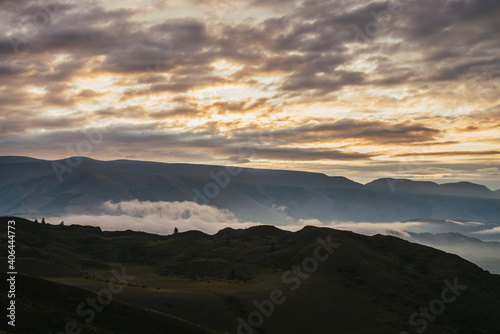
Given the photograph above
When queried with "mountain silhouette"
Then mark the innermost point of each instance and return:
(268, 196)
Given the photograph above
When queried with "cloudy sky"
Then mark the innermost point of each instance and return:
(345, 87)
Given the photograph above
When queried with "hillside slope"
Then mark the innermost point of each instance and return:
(213, 280)
(44, 306)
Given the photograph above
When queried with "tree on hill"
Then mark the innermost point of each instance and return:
(43, 221)
(36, 221)
(176, 230)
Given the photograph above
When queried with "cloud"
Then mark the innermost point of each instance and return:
(308, 154)
(495, 230)
(450, 153)
(379, 132)
(193, 81)
(160, 217)
(163, 217)
(396, 229)
(18, 124)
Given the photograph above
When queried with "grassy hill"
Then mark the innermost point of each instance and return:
(44, 306)
(367, 285)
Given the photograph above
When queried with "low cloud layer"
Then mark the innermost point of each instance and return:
(163, 217)
(490, 232)
(160, 217)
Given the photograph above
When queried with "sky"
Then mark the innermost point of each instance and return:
(402, 89)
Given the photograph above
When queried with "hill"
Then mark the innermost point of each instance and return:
(81, 185)
(425, 187)
(220, 280)
(47, 307)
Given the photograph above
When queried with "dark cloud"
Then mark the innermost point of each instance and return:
(20, 125)
(308, 154)
(239, 106)
(195, 144)
(283, 56)
(450, 153)
(186, 111)
(376, 132)
(316, 33)
(437, 143)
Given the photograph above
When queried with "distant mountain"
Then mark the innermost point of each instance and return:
(18, 159)
(484, 254)
(427, 187)
(81, 185)
(215, 280)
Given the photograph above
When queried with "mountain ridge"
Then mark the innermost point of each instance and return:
(429, 187)
(251, 194)
(25, 159)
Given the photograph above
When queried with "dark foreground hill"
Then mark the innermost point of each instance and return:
(81, 185)
(48, 307)
(257, 280)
